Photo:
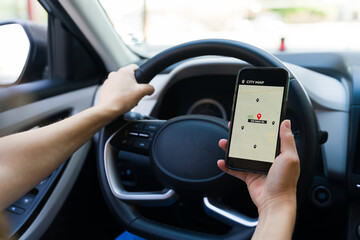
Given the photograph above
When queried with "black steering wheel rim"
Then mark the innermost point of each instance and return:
(129, 215)
(220, 47)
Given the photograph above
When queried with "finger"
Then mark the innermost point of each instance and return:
(222, 144)
(111, 75)
(147, 88)
(228, 124)
(132, 67)
(286, 137)
(129, 68)
(238, 174)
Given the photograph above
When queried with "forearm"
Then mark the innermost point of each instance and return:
(27, 158)
(276, 223)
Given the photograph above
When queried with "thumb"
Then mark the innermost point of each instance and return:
(286, 137)
(147, 89)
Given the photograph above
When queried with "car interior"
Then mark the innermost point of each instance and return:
(152, 172)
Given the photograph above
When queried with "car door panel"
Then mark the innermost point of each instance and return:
(32, 222)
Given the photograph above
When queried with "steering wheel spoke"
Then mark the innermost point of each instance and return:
(220, 211)
(126, 150)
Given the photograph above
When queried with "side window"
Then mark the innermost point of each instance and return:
(23, 42)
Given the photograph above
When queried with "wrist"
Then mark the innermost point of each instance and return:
(102, 115)
(285, 203)
(287, 210)
(276, 220)
(107, 113)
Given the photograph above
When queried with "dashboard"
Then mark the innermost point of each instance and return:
(204, 95)
(208, 106)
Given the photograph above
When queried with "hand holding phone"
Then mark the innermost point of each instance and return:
(258, 109)
(274, 194)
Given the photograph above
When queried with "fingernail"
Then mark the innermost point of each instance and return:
(288, 124)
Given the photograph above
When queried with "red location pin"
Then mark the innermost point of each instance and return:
(259, 116)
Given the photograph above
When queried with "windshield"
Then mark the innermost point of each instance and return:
(149, 26)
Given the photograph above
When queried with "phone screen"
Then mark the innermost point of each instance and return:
(257, 115)
(256, 122)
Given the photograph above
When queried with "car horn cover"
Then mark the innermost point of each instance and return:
(185, 151)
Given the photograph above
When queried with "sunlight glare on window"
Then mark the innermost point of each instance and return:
(150, 26)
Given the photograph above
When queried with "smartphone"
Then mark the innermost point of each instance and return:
(259, 107)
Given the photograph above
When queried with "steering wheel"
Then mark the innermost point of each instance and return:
(182, 152)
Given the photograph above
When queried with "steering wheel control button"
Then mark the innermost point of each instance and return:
(136, 136)
(16, 209)
(321, 195)
(137, 125)
(126, 175)
(144, 135)
(152, 126)
(127, 142)
(142, 144)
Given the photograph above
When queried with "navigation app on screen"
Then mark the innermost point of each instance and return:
(256, 122)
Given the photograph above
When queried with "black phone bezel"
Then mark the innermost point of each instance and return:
(271, 77)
